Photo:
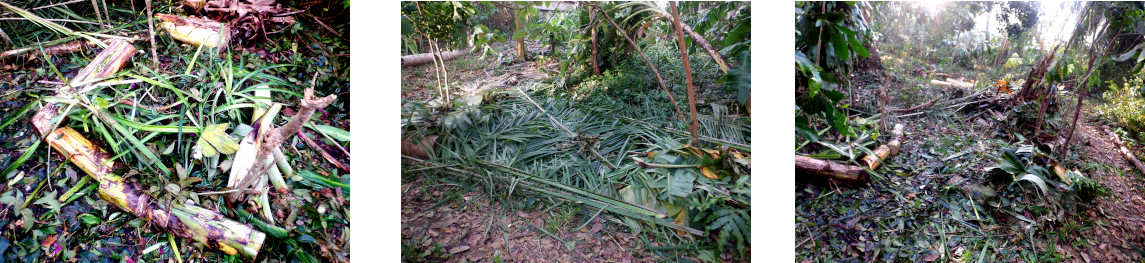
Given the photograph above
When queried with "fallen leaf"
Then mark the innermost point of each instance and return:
(930, 257)
(595, 228)
(460, 249)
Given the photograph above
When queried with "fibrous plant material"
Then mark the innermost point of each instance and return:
(886, 150)
(274, 137)
(426, 58)
(195, 31)
(187, 221)
(828, 170)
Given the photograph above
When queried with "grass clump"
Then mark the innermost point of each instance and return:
(1126, 107)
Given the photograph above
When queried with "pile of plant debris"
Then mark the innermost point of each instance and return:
(143, 144)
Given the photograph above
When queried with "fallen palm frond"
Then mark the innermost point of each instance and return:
(540, 143)
(549, 187)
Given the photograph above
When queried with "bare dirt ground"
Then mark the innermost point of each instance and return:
(1116, 235)
(473, 229)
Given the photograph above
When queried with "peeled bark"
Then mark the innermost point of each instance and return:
(815, 169)
(187, 221)
(886, 150)
(426, 58)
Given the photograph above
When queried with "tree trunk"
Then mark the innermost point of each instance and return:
(521, 52)
(816, 169)
(187, 221)
(592, 23)
(426, 58)
(886, 150)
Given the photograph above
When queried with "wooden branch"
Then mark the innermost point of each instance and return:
(276, 136)
(816, 169)
(1124, 151)
(886, 150)
(928, 103)
(715, 55)
(187, 221)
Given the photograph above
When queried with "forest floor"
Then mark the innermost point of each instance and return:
(468, 227)
(448, 219)
(934, 200)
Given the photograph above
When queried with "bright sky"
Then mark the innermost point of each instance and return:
(1056, 23)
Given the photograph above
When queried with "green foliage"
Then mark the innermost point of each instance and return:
(482, 38)
(829, 33)
(442, 21)
(1125, 106)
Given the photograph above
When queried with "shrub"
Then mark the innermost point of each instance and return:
(1125, 107)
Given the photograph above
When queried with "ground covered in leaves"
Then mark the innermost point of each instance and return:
(450, 217)
(938, 198)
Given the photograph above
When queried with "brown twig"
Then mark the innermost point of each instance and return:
(329, 158)
(151, 31)
(928, 103)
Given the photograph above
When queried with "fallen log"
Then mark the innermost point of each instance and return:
(953, 83)
(426, 58)
(885, 150)
(184, 220)
(1124, 151)
(828, 170)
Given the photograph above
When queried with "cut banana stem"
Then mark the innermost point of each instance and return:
(195, 31)
(283, 164)
(276, 178)
(264, 201)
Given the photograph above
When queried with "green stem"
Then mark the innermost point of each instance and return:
(79, 185)
(23, 158)
(13, 118)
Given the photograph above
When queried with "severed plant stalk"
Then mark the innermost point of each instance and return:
(274, 137)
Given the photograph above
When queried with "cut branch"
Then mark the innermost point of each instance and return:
(1125, 151)
(276, 136)
(884, 151)
(928, 103)
(816, 169)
